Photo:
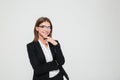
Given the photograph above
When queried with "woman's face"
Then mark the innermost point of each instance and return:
(44, 29)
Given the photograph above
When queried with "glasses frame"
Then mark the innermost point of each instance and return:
(43, 26)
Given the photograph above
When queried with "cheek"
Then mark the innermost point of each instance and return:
(39, 31)
(49, 31)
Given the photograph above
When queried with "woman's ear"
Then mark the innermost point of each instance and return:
(37, 28)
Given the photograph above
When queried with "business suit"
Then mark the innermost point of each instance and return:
(40, 66)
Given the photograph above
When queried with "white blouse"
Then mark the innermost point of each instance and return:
(49, 58)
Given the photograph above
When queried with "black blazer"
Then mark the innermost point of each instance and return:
(40, 66)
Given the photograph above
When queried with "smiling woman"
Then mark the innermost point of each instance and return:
(45, 53)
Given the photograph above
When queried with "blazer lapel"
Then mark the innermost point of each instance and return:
(40, 53)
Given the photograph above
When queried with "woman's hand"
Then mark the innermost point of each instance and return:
(51, 40)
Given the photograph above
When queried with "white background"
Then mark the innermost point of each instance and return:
(88, 30)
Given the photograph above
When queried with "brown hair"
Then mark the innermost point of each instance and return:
(38, 22)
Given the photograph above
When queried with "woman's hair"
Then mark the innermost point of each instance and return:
(38, 22)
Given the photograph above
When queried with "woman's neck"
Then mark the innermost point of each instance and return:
(43, 40)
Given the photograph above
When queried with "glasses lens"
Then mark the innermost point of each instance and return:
(48, 27)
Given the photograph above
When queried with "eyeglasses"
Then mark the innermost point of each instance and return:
(48, 27)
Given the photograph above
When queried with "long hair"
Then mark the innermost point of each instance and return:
(38, 22)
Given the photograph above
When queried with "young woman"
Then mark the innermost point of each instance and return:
(45, 53)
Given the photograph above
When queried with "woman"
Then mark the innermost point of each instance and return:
(45, 53)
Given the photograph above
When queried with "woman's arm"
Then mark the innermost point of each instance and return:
(59, 55)
(39, 68)
(58, 52)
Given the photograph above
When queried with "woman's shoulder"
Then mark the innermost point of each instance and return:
(31, 43)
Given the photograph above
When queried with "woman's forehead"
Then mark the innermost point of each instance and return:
(45, 23)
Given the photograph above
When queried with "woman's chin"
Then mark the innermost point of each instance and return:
(45, 36)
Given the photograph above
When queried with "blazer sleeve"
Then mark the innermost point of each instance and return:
(37, 66)
(60, 59)
(59, 55)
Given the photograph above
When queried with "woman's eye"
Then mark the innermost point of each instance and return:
(48, 27)
(42, 26)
